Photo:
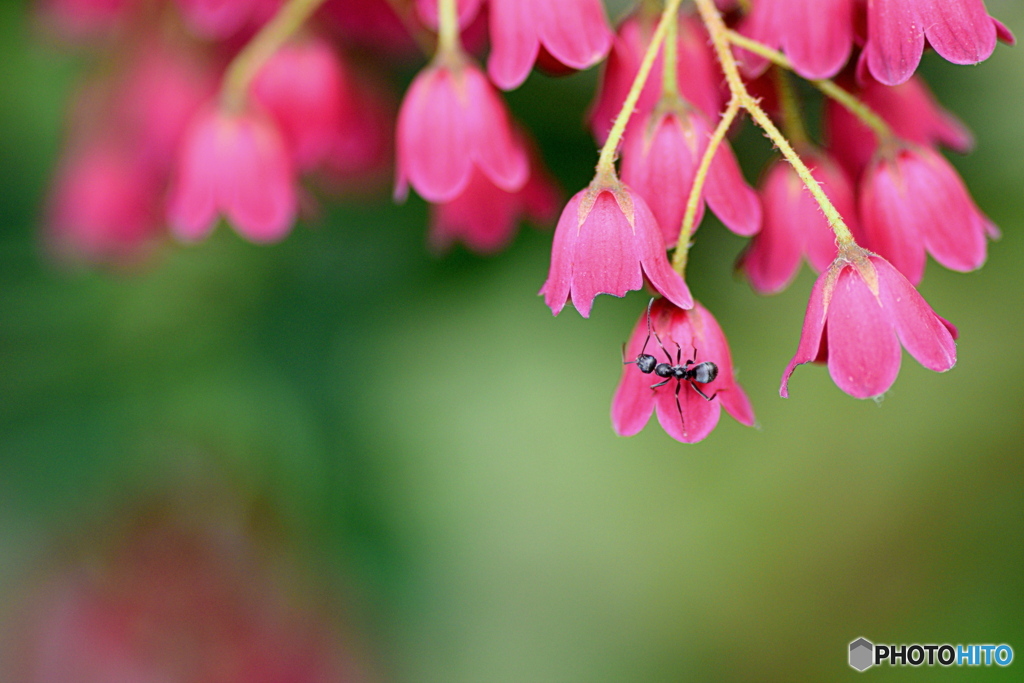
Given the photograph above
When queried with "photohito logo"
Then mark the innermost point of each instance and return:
(864, 654)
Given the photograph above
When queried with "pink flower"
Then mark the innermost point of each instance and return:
(220, 19)
(659, 161)
(84, 18)
(816, 35)
(485, 217)
(468, 9)
(606, 241)
(699, 76)
(104, 205)
(794, 225)
(235, 164)
(859, 314)
(574, 32)
(910, 110)
(304, 87)
(912, 201)
(685, 335)
(961, 31)
(451, 122)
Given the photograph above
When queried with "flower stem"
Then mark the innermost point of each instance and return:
(693, 202)
(247, 63)
(448, 28)
(856, 107)
(720, 38)
(669, 69)
(606, 163)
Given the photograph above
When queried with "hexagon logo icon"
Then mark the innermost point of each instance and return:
(861, 651)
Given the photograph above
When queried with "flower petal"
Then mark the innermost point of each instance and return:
(925, 335)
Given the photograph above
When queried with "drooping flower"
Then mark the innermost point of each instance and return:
(816, 35)
(452, 121)
(660, 160)
(574, 32)
(606, 242)
(859, 314)
(484, 217)
(304, 87)
(234, 164)
(104, 205)
(913, 201)
(961, 31)
(911, 111)
(794, 225)
(220, 19)
(698, 74)
(684, 335)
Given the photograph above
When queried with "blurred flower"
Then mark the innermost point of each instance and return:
(816, 35)
(452, 121)
(606, 241)
(910, 110)
(683, 335)
(175, 596)
(859, 314)
(660, 159)
(304, 87)
(485, 217)
(699, 76)
(235, 164)
(467, 9)
(104, 205)
(794, 225)
(220, 19)
(912, 201)
(574, 32)
(961, 31)
(74, 19)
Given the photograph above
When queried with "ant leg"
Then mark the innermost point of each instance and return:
(697, 389)
(679, 407)
(679, 353)
(661, 384)
(694, 351)
(667, 354)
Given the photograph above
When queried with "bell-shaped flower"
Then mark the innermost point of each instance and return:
(816, 35)
(606, 242)
(682, 335)
(234, 164)
(452, 121)
(913, 201)
(911, 111)
(660, 159)
(794, 226)
(698, 75)
(484, 217)
(574, 32)
(304, 87)
(961, 31)
(859, 314)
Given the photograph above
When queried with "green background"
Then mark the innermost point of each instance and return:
(437, 447)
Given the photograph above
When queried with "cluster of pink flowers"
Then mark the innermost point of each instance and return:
(183, 134)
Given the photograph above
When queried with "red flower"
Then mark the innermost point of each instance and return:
(816, 35)
(660, 160)
(574, 32)
(961, 31)
(238, 165)
(913, 201)
(606, 241)
(683, 335)
(451, 122)
(859, 314)
(794, 225)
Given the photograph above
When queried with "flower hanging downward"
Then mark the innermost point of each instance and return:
(673, 336)
(606, 241)
(860, 311)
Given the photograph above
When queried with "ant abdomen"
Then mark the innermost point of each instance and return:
(704, 372)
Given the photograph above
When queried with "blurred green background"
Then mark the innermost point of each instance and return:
(437, 447)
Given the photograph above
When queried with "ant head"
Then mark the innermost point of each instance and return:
(646, 363)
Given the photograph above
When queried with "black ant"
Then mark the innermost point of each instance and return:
(691, 371)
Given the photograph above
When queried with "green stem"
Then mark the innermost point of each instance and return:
(271, 37)
(844, 97)
(669, 69)
(448, 27)
(720, 37)
(606, 162)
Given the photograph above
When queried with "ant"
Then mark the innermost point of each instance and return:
(692, 371)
